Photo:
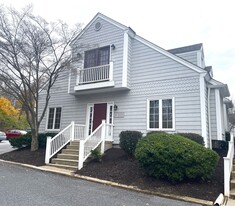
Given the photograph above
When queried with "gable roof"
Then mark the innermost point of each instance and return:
(185, 49)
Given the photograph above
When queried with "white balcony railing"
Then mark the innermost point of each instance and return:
(95, 74)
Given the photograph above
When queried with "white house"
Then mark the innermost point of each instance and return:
(134, 84)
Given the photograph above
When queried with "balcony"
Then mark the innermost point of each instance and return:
(95, 77)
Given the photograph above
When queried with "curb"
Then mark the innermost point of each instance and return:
(114, 184)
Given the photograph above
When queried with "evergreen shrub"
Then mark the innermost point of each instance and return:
(175, 158)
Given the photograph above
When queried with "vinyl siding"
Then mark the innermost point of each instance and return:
(213, 115)
(149, 65)
(59, 98)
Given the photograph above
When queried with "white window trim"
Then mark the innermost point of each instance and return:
(160, 115)
(48, 109)
(89, 105)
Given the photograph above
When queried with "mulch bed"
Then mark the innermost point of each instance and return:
(25, 156)
(116, 166)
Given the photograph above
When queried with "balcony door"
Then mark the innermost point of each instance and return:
(97, 57)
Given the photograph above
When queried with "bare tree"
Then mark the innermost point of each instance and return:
(33, 53)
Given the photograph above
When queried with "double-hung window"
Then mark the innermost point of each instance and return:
(97, 57)
(54, 118)
(161, 114)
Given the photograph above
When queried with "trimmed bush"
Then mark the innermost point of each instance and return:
(154, 132)
(175, 158)
(20, 141)
(227, 136)
(25, 140)
(219, 144)
(195, 137)
(129, 140)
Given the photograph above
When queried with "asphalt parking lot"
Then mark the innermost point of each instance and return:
(5, 147)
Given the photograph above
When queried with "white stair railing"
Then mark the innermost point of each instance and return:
(79, 131)
(69, 133)
(228, 165)
(96, 138)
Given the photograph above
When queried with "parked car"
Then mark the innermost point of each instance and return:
(2, 136)
(15, 133)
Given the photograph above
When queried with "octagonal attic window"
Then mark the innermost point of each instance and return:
(98, 26)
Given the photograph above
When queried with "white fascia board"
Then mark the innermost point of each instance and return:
(215, 82)
(203, 108)
(125, 59)
(218, 114)
(94, 86)
(223, 87)
(168, 54)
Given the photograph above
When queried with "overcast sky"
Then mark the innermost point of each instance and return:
(167, 23)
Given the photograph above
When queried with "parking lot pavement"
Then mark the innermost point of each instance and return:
(5, 147)
(57, 190)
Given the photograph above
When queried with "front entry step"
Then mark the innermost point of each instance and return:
(68, 158)
(72, 168)
(64, 162)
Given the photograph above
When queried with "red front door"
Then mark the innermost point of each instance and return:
(100, 111)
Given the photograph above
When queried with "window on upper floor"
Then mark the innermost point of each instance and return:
(97, 57)
(161, 114)
(54, 118)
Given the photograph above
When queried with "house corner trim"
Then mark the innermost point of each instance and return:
(125, 58)
(218, 114)
(203, 108)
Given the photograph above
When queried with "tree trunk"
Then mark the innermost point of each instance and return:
(34, 143)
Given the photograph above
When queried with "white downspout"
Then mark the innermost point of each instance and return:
(209, 115)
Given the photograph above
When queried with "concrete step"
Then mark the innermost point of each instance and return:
(232, 193)
(233, 174)
(70, 151)
(68, 167)
(75, 147)
(75, 143)
(68, 156)
(64, 162)
(232, 183)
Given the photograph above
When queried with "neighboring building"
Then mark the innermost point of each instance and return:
(136, 85)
